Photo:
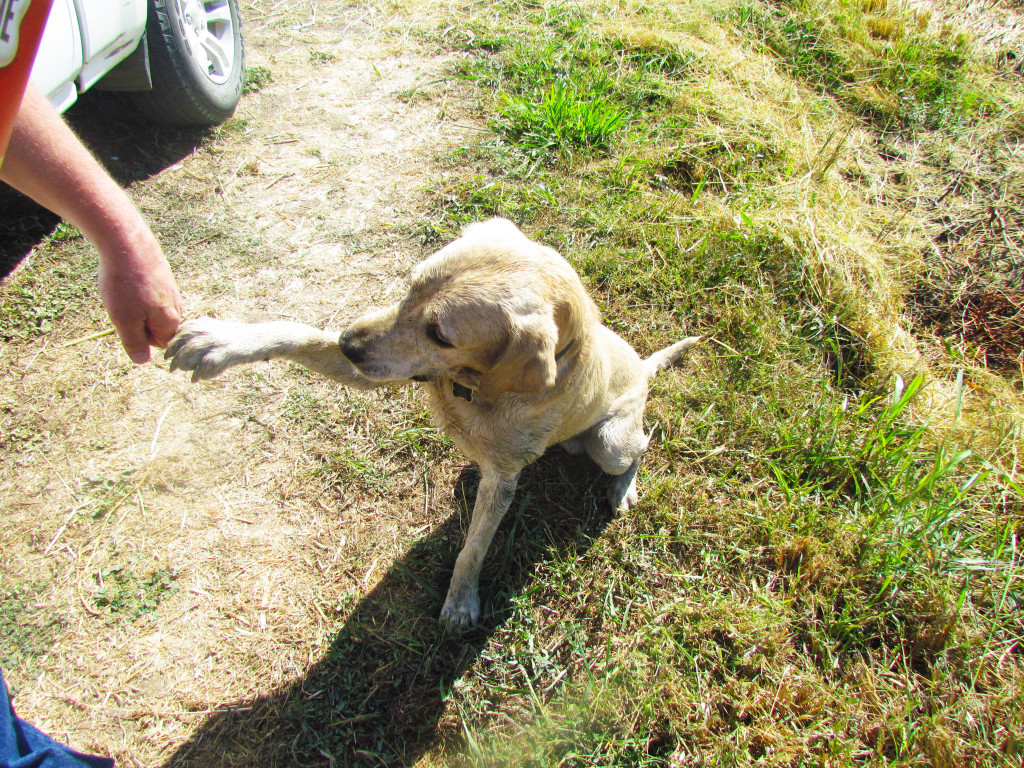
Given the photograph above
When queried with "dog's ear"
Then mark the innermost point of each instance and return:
(527, 365)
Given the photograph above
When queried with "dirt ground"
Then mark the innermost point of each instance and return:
(176, 543)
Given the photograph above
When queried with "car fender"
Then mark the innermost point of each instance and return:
(83, 41)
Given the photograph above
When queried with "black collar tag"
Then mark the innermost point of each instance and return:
(462, 391)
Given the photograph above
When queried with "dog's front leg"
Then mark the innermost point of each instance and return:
(493, 497)
(207, 346)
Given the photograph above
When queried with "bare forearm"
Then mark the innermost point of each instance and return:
(48, 163)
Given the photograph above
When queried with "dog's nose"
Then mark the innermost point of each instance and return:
(351, 348)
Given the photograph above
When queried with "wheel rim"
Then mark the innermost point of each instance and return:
(210, 34)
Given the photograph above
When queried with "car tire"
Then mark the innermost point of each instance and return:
(196, 61)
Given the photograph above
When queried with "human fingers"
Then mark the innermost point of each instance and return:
(134, 340)
(162, 323)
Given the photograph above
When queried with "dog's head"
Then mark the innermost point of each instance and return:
(491, 311)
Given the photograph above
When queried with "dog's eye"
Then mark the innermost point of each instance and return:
(434, 334)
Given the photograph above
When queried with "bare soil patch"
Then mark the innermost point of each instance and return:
(188, 547)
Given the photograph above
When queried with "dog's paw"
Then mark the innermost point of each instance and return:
(574, 446)
(207, 347)
(622, 493)
(461, 609)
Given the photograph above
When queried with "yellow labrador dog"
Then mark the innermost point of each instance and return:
(514, 358)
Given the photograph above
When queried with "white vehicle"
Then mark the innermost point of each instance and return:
(183, 60)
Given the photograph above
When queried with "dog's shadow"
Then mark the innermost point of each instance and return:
(379, 695)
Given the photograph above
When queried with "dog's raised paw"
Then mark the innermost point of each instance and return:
(203, 346)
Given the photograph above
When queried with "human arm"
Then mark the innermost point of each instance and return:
(47, 162)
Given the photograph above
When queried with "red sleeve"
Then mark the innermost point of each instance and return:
(21, 26)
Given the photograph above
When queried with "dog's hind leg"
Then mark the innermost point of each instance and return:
(617, 443)
(622, 493)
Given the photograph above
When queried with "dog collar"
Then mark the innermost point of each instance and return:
(565, 350)
(463, 392)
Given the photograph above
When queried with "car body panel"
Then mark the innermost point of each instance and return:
(59, 58)
(83, 40)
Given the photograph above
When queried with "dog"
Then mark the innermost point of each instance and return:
(514, 358)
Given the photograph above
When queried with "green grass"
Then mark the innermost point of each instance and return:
(562, 117)
(567, 92)
(27, 628)
(57, 284)
(746, 610)
(876, 57)
(823, 568)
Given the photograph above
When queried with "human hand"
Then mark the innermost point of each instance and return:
(139, 293)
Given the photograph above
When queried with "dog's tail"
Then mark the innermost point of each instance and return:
(670, 356)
